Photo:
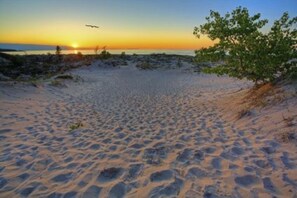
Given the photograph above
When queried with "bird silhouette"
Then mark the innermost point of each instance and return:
(92, 26)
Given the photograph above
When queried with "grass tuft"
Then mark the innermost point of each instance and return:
(65, 77)
(244, 113)
(75, 126)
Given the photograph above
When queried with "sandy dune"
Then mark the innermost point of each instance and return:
(144, 134)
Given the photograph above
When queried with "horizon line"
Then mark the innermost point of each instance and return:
(68, 47)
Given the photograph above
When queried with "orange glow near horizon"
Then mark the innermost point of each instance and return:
(133, 24)
(112, 41)
(75, 35)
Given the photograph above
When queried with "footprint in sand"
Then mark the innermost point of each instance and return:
(118, 190)
(62, 178)
(134, 171)
(196, 172)
(92, 192)
(171, 190)
(161, 176)
(110, 174)
(247, 180)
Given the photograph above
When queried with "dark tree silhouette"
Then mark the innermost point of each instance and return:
(58, 52)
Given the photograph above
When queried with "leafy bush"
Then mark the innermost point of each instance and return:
(245, 51)
(75, 126)
(16, 60)
(104, 54)
(65, 77)
(57, 83)
(79, 55)
(123, 55)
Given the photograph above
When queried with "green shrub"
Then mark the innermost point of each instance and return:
(145, 65)
(79, 55)
(179, 63)
(104, 54)
(245, 51)
(75, 126)
(65, 77)
(123, 55)
(16, 60)
(57, 83)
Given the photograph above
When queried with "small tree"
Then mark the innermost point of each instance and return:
(245, 51)
(105, 54)
(123, 55)
(96, 49)
(58, 52)
(79, 55)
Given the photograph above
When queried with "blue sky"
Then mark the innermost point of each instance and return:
(129, 23)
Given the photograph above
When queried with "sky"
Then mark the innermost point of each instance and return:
(124, 24)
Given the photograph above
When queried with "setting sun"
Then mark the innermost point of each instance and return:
(74, 45)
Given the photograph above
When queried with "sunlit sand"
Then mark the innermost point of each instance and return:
(140, 134)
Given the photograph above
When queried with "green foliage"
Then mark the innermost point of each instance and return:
(75, 126)
(145, 65)
(65, 77)
(179, 63)
(79, 55)
(292, 72)
(244, 50)
(57, 83)
(123, 55)
(16, 60)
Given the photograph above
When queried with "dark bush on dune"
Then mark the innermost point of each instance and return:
(145, 65)
(123, 55)
(16, 60)
(29, 67)
(12, 65)
(104, 54)
(65, 77)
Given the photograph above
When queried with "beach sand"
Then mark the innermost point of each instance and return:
(124, 132)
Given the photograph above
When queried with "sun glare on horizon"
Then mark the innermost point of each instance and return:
(119, 24)
(75, 45)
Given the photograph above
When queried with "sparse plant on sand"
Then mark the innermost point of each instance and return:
(57, 83)
(79, 55)
(179, 63)
(244, 51)
(75, 126)
(65, 77)
(105, 54)
(243, 113)
(123, 55)
(288, 137)
(96, 49)
(289, 120)
(145, 65)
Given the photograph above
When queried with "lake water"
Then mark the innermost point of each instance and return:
(112, 51)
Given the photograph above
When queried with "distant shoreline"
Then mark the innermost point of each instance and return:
(112, 51)
(10, 50)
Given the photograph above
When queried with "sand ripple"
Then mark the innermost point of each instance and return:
(144, 134)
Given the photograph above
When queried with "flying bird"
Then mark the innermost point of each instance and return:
(92, 26)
